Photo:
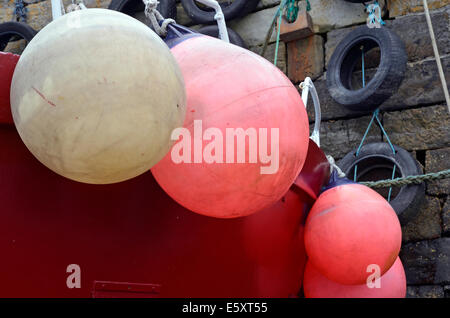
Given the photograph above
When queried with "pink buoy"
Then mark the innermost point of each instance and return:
(246, 132)
(349, 229)
(391, 285)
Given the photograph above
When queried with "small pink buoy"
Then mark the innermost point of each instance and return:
(391, 285)
(350, 229)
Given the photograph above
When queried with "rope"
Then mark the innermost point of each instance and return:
(292, 13)
(154, 16)
(335, 167)
(408, 180)
(436, 54)
(374, 20)
(20, 11)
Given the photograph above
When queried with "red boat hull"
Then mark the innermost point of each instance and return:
(132, 240)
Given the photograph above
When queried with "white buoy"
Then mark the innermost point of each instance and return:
(96, 95)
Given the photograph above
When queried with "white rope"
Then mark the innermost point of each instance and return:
(436, 53)
(334, 166)
(154, 16)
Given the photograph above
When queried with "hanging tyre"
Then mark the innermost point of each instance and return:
(386, 80)
(375, 162)
(10, 30)
(213, 30)
(167, 8)
(231, 10)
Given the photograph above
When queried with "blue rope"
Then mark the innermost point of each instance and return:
(374, 116)
(20, 11)
(373, 18)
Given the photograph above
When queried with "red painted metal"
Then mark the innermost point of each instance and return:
(8, 63)
(132, 232)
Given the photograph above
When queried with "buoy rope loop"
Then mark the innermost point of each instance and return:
(155, 16)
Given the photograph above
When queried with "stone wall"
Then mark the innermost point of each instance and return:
(416, 117)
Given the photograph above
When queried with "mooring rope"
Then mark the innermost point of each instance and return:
(292, 9)
(400, 182)
(154, 16)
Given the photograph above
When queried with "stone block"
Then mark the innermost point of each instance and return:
(427, 291)
(402, 7)
(438, 160)
(328, 15)
(427, 223)
(253, 27)
(270, 54)
(342, 136)
(427, 262)
(305, 58)
(421, 86)
(417, 39)
(419, 129)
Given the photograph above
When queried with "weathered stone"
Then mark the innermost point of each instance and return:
(402, 7)
(447, 291)
(427, 262)
(446, 216)
(263, 4)
(253, 27)
(182, 17)
(16, 47)
(427, 223)
(438, 160)
(417, 40)
(443, 261)
(421, 128)
(270, 54)
(342, 136)
(305, 58)
(328, 15)
(39, 14)
(6, 10)
(421, 86)
(428, 291)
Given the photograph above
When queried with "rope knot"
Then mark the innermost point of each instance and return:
(154, 16)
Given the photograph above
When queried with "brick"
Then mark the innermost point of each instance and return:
(402, 7)
(299, 29)
(438, 160)
(305, 58)
(419, 129)
(427, 223)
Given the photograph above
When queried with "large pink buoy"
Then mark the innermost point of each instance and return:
(245, 136)
(391, 285)
(350, 230)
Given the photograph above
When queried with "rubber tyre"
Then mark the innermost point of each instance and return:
(233, 10)
(385, 82)
(10, 29)
(213, 30)
(167, 8)
(379, 155)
